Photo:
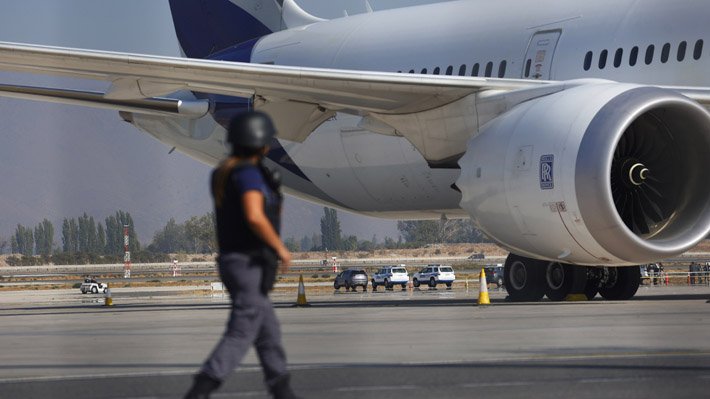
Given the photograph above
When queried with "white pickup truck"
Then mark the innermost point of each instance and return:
(389, 276)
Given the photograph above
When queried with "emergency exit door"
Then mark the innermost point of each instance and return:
(538, 58)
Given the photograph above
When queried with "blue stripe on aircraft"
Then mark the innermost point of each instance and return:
(205, 27)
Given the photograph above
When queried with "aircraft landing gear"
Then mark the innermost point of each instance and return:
(619, 283)
(524, 278)
(527, 280)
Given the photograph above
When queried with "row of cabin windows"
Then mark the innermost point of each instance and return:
(680, 55)
(475, 71)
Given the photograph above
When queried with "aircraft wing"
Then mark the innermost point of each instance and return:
(144, 77)
(299, 99)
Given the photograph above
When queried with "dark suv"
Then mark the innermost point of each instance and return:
(351, 278)
(494, 275)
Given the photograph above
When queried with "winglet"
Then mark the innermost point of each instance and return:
(294, 16)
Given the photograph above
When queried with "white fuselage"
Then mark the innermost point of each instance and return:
(350, 167)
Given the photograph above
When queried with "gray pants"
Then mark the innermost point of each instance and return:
(252, 321)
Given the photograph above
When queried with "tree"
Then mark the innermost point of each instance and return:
(317, 242)
(44, 238)
(3, 245)
(73, 236)
(24, 240)
(445, 230)
(330, 229)
(100, 239)
(291, 245)
(419, 232)
(170, 239)
(306, 243)
(350, 243)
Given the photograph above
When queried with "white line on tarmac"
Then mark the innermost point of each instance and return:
(377, 388)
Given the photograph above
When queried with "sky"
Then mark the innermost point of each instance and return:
(59, 161)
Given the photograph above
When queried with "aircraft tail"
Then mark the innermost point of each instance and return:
(205, 27)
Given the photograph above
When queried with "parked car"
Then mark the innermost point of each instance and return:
(434, 275)
(350, 279)
(494, 275)
(389, 276)
(93, 286)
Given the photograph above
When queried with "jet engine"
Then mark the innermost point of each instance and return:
(601, 174)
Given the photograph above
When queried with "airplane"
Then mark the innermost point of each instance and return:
(575, 134)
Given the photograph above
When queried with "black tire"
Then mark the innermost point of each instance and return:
(336, 286)
(404, 286)
(524, 278)
(622, 284)
(448, 285)
(432, 282)
(347, 286)
(415, 283)
(388, 285)
(559, 279)
(83, 291)
(374, 285)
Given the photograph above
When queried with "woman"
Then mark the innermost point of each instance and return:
(248, 202)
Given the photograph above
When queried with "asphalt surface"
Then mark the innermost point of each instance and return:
(397, 344)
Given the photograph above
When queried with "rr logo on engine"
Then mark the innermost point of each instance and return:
(547, 177)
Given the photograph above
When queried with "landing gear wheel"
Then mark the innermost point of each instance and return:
(621, 284)
(432, 283)
(559, 280)
(591, 289)
(524, 278)
(415, 283)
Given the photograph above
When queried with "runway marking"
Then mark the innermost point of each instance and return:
(612, 379)
(498, 384)
(377, 388)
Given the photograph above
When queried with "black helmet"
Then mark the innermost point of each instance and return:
(251, 129)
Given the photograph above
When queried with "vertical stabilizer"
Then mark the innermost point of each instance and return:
(204, 27)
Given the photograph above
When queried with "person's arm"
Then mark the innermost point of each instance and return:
(253, 203)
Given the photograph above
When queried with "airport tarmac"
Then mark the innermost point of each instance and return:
(397, 344)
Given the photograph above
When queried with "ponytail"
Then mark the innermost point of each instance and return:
(221, 176)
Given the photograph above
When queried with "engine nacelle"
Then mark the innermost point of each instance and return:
(601, 174)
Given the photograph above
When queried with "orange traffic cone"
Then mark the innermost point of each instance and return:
(483, 298)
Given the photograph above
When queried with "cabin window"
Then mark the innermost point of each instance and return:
(450, 70)
(501, 68)
(649, 54)
(474, 70)
(602, 59)
(411, 71)
(424, 71)
(633, 57)
(698, 52)
(489, 69)
(587, 63)
(528, 65)
(682, 47)
(437, 70)
(665, 52)
(617, 57)
(462, 70)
